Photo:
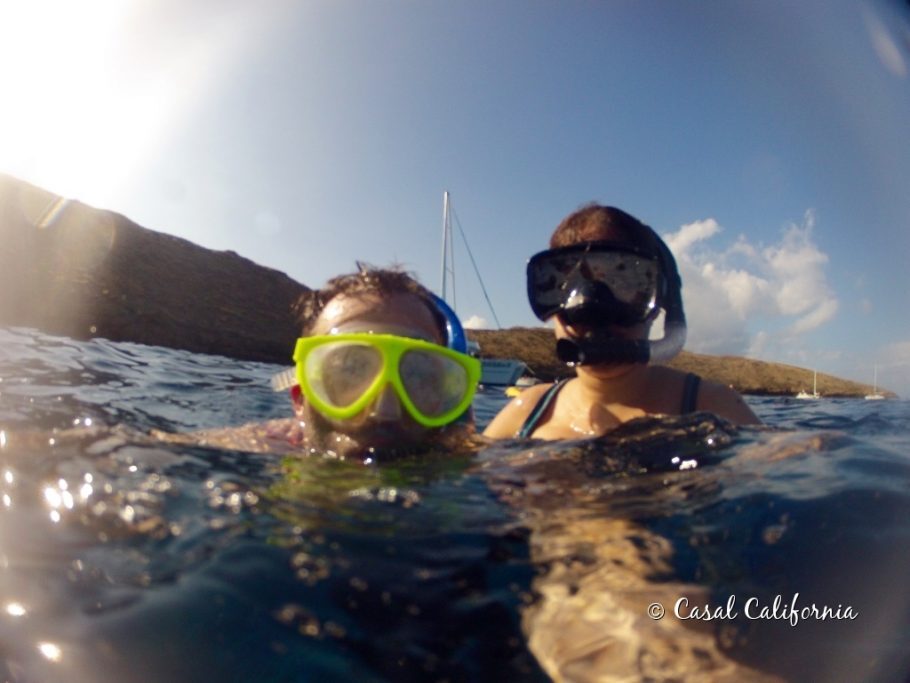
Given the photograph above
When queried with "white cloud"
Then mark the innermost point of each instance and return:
(692, 233)
(797, 267)
(731, 294)
(475, 322)
(815, 318)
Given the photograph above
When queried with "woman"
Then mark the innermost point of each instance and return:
(605, 279)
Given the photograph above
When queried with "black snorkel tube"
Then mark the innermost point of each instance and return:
(601, 348)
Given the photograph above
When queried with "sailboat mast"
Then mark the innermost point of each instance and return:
(448, 258)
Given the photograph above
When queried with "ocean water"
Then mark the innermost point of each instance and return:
(673, 549)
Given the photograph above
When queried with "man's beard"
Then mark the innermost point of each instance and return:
(372, 442)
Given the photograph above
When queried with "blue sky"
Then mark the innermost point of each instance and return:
(766, 141)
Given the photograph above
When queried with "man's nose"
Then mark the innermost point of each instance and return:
(387, 406)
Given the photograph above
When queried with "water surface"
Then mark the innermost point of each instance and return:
(123, 558)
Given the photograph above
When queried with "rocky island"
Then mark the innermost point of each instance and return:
(73, 270)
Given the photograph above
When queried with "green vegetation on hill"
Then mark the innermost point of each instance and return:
(535, 346)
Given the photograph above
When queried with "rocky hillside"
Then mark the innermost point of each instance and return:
(69, 269)
(535, 347)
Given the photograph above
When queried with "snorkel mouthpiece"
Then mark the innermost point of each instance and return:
(601, 351)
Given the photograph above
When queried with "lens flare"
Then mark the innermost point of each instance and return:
(50, 651)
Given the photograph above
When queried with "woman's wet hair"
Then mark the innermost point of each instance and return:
(595, 222)
(367, 281)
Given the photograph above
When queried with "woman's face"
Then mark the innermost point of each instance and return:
(581, 331)
(640, 331)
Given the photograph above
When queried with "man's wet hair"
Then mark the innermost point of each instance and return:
(593, 220)
(368, 280)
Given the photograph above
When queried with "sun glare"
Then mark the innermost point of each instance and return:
(56, 82)
(91, 89)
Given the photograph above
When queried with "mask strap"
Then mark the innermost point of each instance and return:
(284, 379)
(456, 339)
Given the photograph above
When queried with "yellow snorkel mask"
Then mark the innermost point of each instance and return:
(341, 374)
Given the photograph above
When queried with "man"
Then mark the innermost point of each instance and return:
(374, 375)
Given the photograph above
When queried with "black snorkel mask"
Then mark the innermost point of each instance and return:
(601, 284)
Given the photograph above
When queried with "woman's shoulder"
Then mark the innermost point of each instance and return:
(710, 396)
(726, 402)
(718, 398)
(510, 419)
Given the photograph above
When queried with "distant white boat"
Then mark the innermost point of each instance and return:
(814, 394)
(875, 395)
(494, 371)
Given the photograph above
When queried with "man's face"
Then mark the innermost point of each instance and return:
(384, 425)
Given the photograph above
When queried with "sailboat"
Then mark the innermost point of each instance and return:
(494, 371)
(875, 395)
(814, 394)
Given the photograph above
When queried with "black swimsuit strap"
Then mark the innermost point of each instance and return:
(540, 409)
(690, 393)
